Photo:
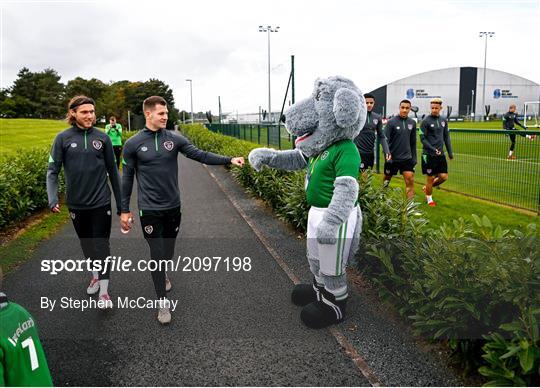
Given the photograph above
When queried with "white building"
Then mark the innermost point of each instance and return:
(459, 88)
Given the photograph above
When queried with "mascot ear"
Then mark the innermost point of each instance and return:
(347, 106)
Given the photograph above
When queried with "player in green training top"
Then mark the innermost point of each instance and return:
(22, 359)
(114, 130)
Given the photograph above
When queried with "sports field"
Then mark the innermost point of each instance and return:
(18, 134)
(481, 168)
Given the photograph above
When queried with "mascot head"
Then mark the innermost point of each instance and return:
(335, 111)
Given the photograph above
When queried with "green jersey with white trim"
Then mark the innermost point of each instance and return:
(22, 359)
(340, 159)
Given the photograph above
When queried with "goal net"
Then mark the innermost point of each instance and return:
(530, 115)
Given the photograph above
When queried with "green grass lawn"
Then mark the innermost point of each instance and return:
(452, 206)
(480, 168)
(27, 133)
(18, 134)
(19, 249)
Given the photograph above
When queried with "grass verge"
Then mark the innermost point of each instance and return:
(19, 248)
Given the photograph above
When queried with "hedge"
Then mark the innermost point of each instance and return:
(472, 285)
(23, 185)
(23, 188)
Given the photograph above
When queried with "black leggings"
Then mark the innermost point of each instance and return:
(93, 228)
(117, 153)
(160, 228)
(513, 140)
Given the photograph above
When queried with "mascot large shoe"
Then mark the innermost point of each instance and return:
(303, 294)
(325, 125)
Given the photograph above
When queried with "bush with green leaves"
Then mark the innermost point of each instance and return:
(127, 134)
(23, 185)
(473, 285)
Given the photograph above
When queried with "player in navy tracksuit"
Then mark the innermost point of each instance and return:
(152, 156)
(510, 120)
(434, 135)
(400, 132)
(365, 141)
(87, 155)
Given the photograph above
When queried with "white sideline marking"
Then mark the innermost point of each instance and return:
(524, 160)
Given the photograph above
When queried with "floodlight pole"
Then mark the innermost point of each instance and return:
(191, 96)
(486, 35)
(268, 30)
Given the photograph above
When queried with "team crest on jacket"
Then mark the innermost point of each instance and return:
(73, 145)
(97, 144)
(72, 215)
(443, 124)
(410, 126)
(144, 149)
(149, 229)
(168, 145)
(324, 155)
(376, 121)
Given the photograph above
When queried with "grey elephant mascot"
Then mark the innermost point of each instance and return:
(325, 125)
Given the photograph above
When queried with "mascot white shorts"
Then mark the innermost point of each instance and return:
(332, 257)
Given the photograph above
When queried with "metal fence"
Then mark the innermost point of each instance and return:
(480, 167)
(271, 135)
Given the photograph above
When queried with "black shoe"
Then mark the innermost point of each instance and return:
(303, 294)
(324, 312)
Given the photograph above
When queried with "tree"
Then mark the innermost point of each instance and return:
(113, 102)
(137, 92)
(43, 90)
(17, 106)
(42, 95)
(24, 84)
(50, 94)
(92, 88)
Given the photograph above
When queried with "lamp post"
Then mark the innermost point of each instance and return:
(268, 30)
(191, 96)
(472, 105)
(486, 35)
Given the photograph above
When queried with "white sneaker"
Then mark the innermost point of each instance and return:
(164, 315)
(105, 302)
(168, 284)
(93, 287)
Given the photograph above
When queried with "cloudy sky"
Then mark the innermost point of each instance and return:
(217, 43)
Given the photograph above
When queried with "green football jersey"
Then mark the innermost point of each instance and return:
(22, 360)
(114, 133)
(340, 159)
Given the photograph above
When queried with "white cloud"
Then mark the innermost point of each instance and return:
(217, 44)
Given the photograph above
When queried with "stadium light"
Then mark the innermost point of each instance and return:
(486, 35)
(191, 96)
(268, 30)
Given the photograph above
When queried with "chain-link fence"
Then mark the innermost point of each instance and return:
(271, 135)
(480, 168)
